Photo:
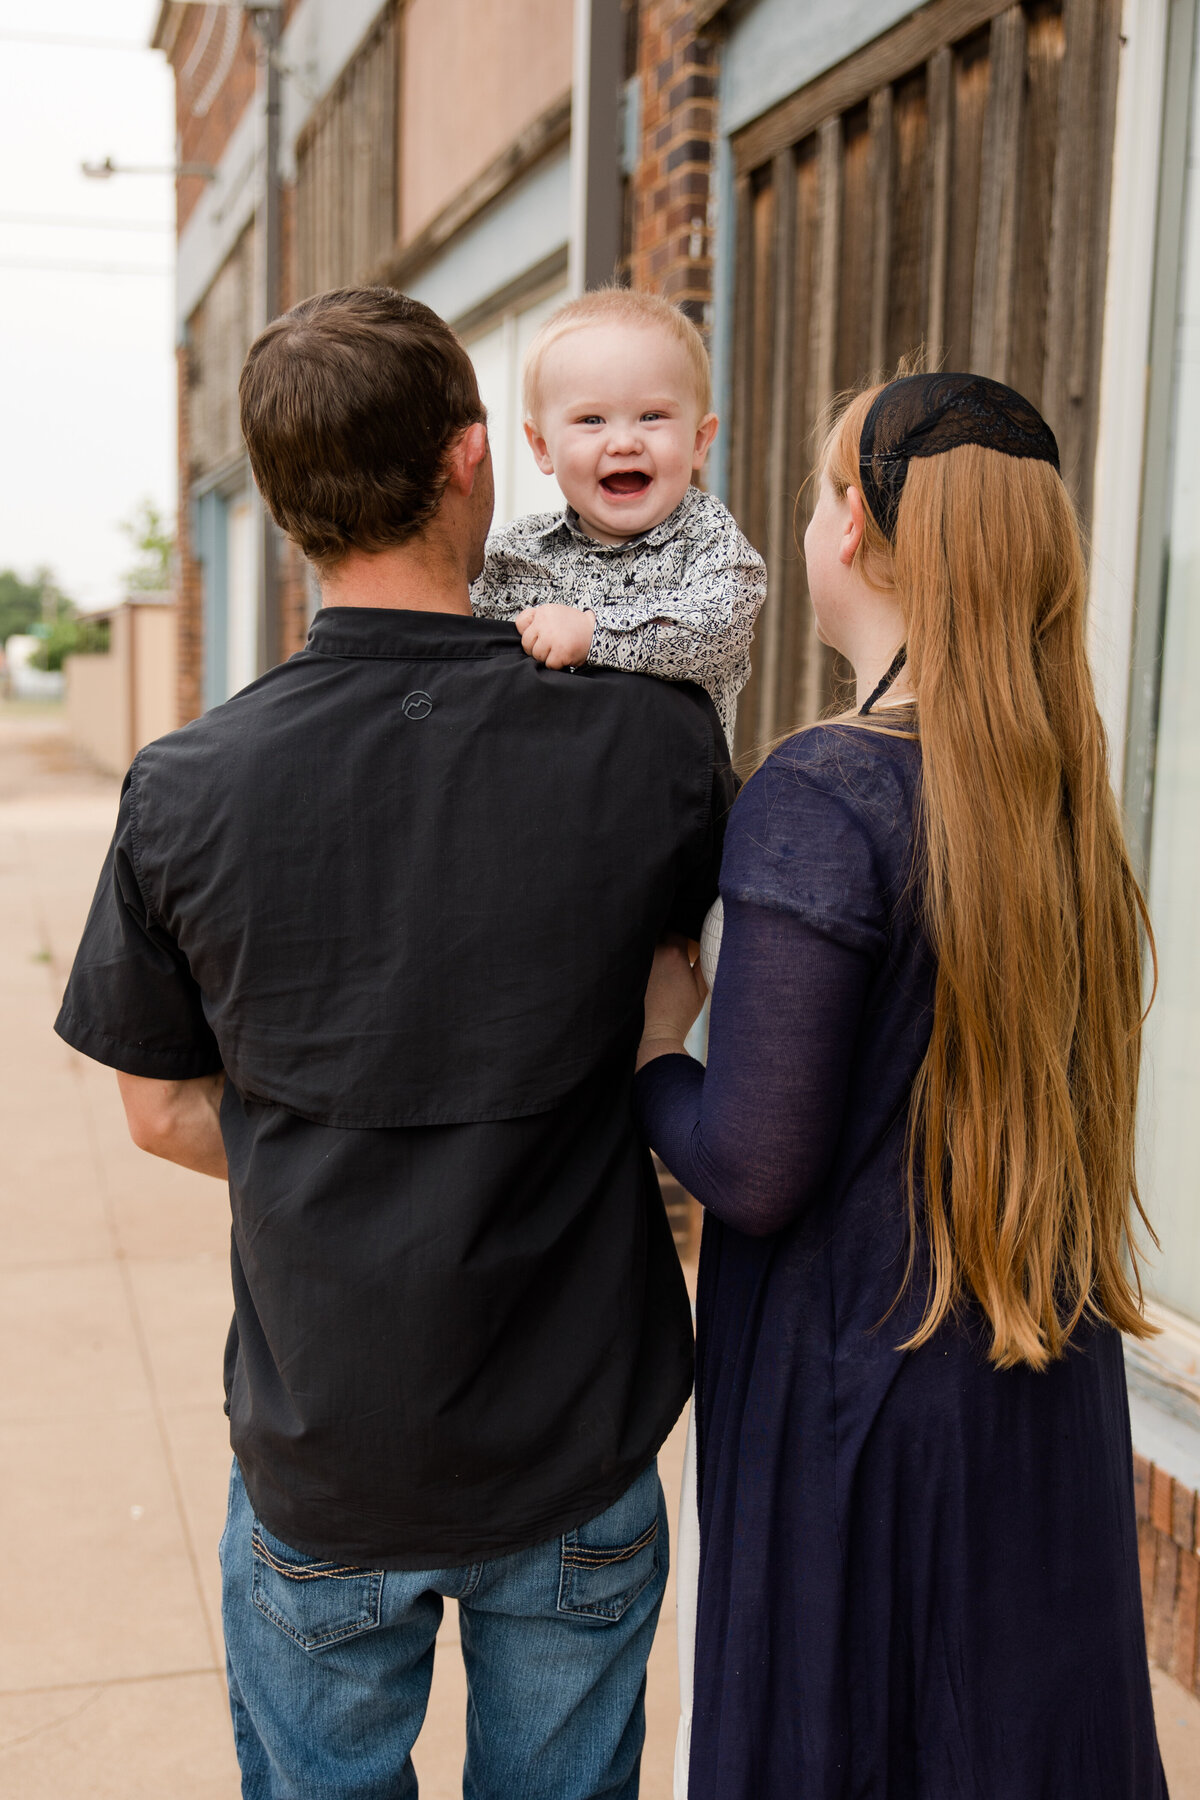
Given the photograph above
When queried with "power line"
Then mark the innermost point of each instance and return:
(82, 268)
(40, 219)
(69, 43)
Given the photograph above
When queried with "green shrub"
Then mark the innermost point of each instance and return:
(70, 637)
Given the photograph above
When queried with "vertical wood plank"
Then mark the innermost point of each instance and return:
(907, 286)
(969, 103)
(742, 434)
(881, 131)
(995, 249)
(743, 358)
(796, 610)
(1070, 232)
(1104, 130)
(856, 250)
(762, 334)
(939, 75)
(779, 512)
(823, 341)
(1043, 65)
(823, 352)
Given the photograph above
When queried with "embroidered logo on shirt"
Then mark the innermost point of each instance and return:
(416, 705)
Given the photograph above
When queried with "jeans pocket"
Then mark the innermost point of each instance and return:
(316, 1604)
(606, 1563)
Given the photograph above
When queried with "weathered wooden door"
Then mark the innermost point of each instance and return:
(945, 192)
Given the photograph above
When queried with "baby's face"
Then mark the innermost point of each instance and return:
(619, 426)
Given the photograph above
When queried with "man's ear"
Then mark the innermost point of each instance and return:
(706, 431)
(537, 444)
(464, 457)
(853, 527)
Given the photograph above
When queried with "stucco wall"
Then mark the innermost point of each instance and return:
(473, 78)
(103, 718)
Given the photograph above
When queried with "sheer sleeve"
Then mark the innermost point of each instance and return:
(753, 1134)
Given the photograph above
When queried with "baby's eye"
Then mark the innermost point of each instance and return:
(653, 415)
(590, 419)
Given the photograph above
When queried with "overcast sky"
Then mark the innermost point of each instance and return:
(87, 373)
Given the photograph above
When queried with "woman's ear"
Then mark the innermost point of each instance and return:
(853, 527)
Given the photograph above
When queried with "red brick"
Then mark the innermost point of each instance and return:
(1147, 1542)
(1160, 1500)
(1187, 1611)
(1183, 1515)
(1162, 1618)
(1141, 1485)
(667, 254)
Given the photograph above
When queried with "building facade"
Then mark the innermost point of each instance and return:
(1006, 187)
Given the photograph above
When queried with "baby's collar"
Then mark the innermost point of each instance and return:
(658, 534)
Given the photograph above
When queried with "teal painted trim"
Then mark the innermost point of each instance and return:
(721, 339)
(212, 552)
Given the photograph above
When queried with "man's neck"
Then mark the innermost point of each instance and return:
(412, 577)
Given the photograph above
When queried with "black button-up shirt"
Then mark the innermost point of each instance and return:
(405, 890)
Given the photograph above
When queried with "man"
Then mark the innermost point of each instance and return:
(371, 941)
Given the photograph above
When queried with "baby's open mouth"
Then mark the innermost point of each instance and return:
(626, 481)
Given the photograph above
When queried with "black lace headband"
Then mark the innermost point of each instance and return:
(923, 415)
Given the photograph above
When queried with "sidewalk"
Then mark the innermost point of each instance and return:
(114, 1303)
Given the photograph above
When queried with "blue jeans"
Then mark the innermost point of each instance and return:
(329, 1667)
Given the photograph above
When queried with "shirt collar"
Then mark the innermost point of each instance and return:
(568, 521)
(378, 631)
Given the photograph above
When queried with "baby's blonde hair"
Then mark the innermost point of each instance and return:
(617, 306)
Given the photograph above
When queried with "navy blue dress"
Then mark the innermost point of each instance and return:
(919, 1575)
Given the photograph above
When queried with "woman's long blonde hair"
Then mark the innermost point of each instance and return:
(1021, 1160)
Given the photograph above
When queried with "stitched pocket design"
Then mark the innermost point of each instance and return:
(605, 1566)
(314, 1603)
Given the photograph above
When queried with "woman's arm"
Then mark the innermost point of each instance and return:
(753, 1134)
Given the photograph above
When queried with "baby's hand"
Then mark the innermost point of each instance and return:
(559, 636)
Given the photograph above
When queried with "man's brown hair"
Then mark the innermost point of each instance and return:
(349, 403)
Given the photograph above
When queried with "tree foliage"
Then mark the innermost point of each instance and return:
(70, 635)
(151, 535)
(20, 604)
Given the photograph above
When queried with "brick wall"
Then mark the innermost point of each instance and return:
(196, 59)
(196, 55)
(671, 248)
(1169, 1558)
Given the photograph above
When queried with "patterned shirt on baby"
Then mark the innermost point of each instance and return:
(679, 601)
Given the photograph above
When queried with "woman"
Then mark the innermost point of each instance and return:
(914, 1141)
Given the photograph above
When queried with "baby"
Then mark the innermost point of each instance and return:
(642, 570)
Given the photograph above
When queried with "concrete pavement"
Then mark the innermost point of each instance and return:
(114, 1303)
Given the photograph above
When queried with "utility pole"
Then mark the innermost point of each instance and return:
(595, 246)
(266, 20)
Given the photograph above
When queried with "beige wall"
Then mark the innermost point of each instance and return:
(118, 702)
(474, 76)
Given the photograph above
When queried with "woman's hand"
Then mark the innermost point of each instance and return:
(674, 995)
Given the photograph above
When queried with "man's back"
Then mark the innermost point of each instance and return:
(408, 887)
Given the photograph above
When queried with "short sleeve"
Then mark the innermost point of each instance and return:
(698, 891)
(131, 1000)
(801, 841)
